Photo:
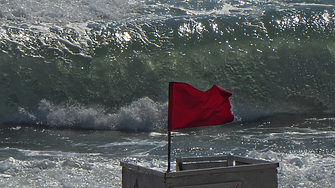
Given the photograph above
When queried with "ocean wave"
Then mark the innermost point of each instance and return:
(61, 11)
(141, 115)
(279, 60)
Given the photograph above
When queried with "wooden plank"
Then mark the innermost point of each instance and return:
(257, 178)
(140, 179)
(216, 185)
(201, 165)
(223, 169)
(250, 161)
(195, 159)
(143, 169)
(228, 158)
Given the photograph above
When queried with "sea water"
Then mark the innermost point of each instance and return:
(84, 85)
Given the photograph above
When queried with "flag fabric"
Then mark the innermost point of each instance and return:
(190, 107)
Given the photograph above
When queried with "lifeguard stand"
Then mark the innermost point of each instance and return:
(204, 172)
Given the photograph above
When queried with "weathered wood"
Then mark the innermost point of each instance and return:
(217, 185)
(221, 158)
(251, 178)
(250, 173)
(190, 166)
(132, 178)
(142, 169)
(250, 167)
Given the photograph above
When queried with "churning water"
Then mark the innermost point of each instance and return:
(83, 86)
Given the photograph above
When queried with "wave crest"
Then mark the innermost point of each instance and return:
(141, 115)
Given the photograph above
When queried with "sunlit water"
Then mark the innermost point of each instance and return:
(83, 86)
(38, 157)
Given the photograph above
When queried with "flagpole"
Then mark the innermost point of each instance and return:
(169, 126)
(169, 152)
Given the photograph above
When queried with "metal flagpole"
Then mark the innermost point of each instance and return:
(169, 126)
(169, 152)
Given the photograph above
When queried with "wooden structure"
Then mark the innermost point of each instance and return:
(204, 172)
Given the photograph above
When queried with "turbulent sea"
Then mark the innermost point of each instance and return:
(84, 85)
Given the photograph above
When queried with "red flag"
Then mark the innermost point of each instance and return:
(190, 107)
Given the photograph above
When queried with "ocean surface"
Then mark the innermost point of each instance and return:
(84, 85)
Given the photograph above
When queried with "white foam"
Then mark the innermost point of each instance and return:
(141, 115)
(76, 171)
(63, 11)
(301, 169)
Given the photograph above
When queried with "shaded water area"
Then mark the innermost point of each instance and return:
(83, 86)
